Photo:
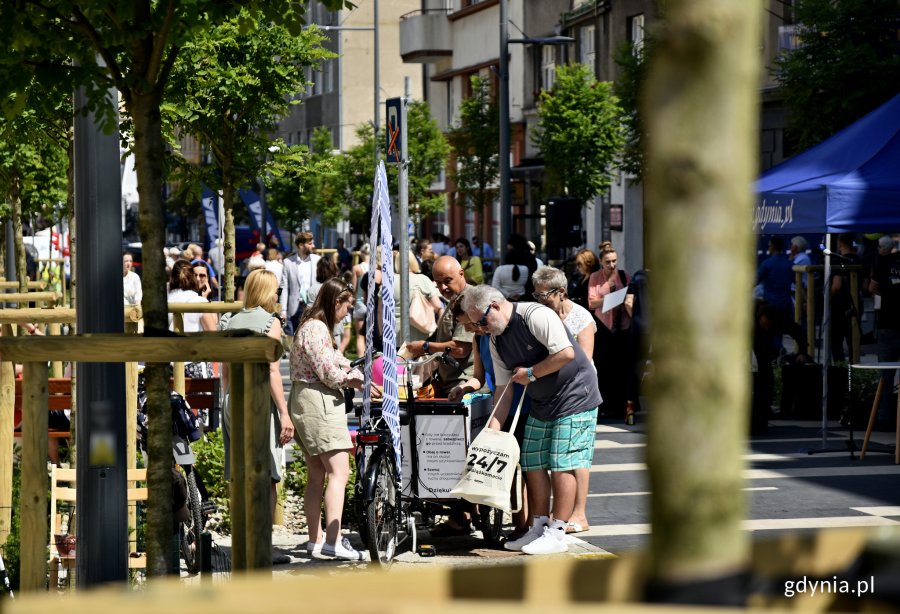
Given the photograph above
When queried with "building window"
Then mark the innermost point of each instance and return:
(548, 67)
(317, 82)
(636, 33)
(307, 77)
(788, 38)
(328, 69)
(586, 53)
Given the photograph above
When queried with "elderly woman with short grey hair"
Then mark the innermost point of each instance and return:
(550, 290)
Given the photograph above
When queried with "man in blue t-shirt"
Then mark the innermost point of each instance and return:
(776, 274)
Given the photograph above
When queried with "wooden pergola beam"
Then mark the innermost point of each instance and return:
(193, 347)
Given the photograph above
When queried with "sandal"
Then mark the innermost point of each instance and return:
(575, 527)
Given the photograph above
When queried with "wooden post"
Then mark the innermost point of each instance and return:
(178, 367)
(798, 296)
(35, 530)
(7, 405)
(131, 380)
(854, 321)
(257, 465)
(235, 418)
(278, 514)
(56, 367)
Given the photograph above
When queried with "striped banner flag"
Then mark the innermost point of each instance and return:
(381, 225)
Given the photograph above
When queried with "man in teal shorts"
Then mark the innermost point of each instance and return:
(531, 346)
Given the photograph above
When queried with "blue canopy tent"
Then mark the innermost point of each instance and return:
(847, 183)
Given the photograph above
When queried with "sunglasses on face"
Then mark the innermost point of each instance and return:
(543, 296)
(278, 293)
(483, 321)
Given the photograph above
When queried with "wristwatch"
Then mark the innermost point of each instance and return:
(530, 374)
(425, 347)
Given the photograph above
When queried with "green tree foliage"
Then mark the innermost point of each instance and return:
(847, 64)
(34, 160)
(633, 63)
(132, 47)
(428, 153)
(228, 89)
(348, 186)
(580, 133)
(475, 141)
(295, 190)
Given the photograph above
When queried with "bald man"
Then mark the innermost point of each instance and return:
(450, 334)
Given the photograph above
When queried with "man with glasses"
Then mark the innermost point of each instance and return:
(450, 334)
(531, 346)
(298, 276)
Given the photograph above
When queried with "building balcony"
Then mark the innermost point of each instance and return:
(425, 36)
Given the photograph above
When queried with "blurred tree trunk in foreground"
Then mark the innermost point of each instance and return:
(701, 109)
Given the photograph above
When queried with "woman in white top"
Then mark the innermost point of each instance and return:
(183, 288)
(550, 290)
(511, 277)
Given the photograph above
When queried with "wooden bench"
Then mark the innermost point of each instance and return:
(62, 543)
(59, 397)
(204, 394)
(199, 393)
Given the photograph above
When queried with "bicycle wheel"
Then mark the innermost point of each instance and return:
(381, 514)
(490, 523)
(190, 530)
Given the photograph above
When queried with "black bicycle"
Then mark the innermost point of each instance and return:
(388, 515)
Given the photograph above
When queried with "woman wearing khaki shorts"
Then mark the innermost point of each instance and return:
(318, 374)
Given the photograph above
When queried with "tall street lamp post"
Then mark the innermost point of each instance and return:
(503, 103)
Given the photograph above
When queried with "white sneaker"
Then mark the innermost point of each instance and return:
(548, 543)
(314, 549)
(342, 550)
(532, 534)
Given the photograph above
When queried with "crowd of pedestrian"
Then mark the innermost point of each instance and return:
(561, 340)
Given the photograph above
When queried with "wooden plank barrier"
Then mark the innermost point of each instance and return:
(14, 285)
(235, 348)
(527, 585)
(45, 298)
(214, 346)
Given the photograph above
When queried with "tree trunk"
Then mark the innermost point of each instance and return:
(21, 265)
(701, 107)
(228, 246)
(148, 154)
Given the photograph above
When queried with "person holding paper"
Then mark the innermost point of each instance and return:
(611, 345)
